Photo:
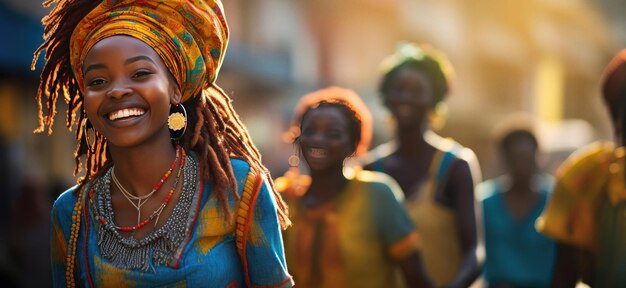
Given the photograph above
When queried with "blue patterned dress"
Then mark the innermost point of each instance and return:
(207, 258)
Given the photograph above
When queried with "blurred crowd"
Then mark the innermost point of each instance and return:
(522, 100)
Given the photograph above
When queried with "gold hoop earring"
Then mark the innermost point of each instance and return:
(177, 121)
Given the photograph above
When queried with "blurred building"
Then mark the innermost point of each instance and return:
(540, 57)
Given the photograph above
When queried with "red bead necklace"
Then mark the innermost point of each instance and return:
(141, 200)
(158, 211)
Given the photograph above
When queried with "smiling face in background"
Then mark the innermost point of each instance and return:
(326, 138)
(128, 91)
(409, 96)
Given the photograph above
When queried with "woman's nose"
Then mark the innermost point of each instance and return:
(118, 91)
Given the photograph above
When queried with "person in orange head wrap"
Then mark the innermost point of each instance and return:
(586, 213)
(352, 230)
(173, 192)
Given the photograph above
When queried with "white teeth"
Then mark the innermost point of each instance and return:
(317, 152)
(123, 113)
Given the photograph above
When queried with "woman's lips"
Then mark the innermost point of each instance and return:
(125, 113)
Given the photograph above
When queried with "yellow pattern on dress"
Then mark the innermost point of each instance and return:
(212, 227)
(350, 239)
(582, 180)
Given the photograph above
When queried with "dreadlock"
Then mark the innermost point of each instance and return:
(57, 78)
(218, 133)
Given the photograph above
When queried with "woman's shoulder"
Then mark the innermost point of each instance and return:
(378, 184)
(489, 189)
(240, 167)
(450, 146)
(371, 177)
(373, 159)
(589, 157)
(544, 183)
(64, 204)
(455, 155)
(589, 167)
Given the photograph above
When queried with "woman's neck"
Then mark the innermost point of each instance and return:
(522, 185)
(411, 140)
(140, 168)
(325, 185)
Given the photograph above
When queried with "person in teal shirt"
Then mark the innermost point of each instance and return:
(516, 254)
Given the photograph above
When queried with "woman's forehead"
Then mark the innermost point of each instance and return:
(326, 113)
(121, 47)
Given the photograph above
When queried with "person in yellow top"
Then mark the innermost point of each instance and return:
(587, 211)
(349, 231)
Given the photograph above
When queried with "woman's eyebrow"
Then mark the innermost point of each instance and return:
(93, 66)
(137, 58)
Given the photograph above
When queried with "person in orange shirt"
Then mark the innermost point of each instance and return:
(350, 230)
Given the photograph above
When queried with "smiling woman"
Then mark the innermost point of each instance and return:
(128, 92)
(351, 231)
(156, 197)
(437, 175)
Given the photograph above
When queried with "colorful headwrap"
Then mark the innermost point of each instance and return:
(190, 36)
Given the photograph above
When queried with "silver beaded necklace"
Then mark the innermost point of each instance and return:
(163, 244)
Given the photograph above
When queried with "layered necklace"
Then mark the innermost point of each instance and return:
(163, 244)
(143, 199)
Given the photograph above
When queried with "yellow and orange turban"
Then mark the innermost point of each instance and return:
(190, 36)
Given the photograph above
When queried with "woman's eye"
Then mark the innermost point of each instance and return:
(141, 73)
(307, 132)
(96, 82)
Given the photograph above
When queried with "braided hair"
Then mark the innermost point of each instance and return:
(217, 131)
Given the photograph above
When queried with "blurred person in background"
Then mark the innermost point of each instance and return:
(24, 223)
(29, 233)
(171, 196)
(516, 254)
(437, 175)
(349, 231)
(8, 273)
(586, 213)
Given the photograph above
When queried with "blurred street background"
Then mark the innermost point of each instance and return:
(543, 57)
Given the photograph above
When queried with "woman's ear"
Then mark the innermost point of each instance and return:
(175, 96)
